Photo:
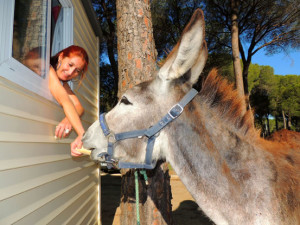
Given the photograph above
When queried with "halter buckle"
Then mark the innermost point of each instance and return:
(175, 111)
(111, 138)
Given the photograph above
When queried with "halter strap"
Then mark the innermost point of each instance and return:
(151, 133)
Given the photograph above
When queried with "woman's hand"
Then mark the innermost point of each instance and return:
(63, 129)
(77, 143)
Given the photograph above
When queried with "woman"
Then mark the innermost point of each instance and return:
(70, 63)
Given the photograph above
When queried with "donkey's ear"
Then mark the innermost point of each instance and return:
(190, 53)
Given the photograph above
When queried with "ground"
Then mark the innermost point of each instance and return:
(185, 209)
(290, 137)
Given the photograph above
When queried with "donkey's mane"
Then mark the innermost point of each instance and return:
(222, 98)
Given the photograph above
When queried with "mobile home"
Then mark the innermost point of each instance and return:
(40, 183)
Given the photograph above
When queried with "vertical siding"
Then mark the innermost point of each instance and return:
(40, 183)
(88, 93)
(84, 36)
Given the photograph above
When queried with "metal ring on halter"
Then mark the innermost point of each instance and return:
(111, 138)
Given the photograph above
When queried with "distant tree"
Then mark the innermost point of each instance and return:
(273, 25)
(266, 78)
(107, 89)
(221, 61)
(253, 76)
(234, 18)
(275, 101)
(260, 97)
(285, 101)
(169, 19)
(106, 13)
(290, 98)
(260, 101)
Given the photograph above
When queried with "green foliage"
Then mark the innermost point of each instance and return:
(107, 96)
(227, 70)
(268, 24)
(253, 76)
(221, 61)
(169, 18)
(269, 94)
(290, 94)
(273, 95)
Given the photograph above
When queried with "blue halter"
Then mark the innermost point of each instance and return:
(151, 133)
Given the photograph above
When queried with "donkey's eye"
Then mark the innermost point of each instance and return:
(125, 101)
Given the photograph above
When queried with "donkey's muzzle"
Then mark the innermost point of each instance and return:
(104, 157)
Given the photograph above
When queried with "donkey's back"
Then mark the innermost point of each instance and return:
(284, 164)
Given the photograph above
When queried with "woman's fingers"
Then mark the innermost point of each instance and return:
(59, 131)
(75, 145)
(62, 131)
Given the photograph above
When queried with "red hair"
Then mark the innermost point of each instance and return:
(70, 51)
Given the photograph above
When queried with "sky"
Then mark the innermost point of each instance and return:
(281, 63)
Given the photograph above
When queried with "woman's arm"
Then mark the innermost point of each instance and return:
(62, 97)
(74, 99)
(64, 127)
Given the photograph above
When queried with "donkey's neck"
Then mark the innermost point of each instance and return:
(204, 147)
(198, 145)
(211, 160)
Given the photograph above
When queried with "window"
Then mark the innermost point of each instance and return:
(61, 25)
(29, 37)
(29, 42)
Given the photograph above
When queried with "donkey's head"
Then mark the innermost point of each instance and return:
(145, 104)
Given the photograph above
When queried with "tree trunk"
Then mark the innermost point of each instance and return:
(289, 122)
(155, 198)
(276, 122)
(137, 63)
(246, 66)
(235, 49)
(268, 126)
(284, 119)
(136, 47)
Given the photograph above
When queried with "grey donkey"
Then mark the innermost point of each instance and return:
(235, 176)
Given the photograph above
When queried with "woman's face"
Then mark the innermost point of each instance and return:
(69, 67)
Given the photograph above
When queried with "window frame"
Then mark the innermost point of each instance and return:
(10, 68)
(67, 8)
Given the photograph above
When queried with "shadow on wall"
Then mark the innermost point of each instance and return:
(110, 197)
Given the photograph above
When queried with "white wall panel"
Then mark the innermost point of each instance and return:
(40, 183)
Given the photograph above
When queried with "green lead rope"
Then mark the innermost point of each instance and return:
(143, 172)
(137, 199)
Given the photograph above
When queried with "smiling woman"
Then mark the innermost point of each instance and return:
(68, 64)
